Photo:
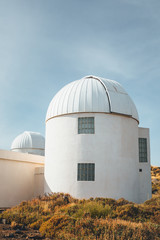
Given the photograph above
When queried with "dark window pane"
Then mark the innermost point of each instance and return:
(86, 125)
(86, 172)
(142, 150)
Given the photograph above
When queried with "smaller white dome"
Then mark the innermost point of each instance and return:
(29, 142)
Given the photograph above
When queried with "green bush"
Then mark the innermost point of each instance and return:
(97, 210)
(92, 209)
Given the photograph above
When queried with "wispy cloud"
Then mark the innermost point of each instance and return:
(45, 45)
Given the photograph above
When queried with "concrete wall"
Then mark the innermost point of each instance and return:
(145, 187)
(17, 177)
(113, 148)
(39, 181)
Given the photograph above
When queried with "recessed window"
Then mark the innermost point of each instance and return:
(142, 150)
(86, 125)
(86, 172)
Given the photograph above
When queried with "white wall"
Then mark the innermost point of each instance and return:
(17, 177)
(145, 187)
(113, 148)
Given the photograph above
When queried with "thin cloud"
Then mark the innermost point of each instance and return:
(45, 45)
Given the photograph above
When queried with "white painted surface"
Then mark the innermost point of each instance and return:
(29, 142)
(92, 94)
(145, 186)
(113, 148)
(17, 177)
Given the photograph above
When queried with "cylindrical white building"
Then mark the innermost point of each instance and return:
(92, 141)
(29, 142)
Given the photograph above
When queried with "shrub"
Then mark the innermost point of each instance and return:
(59, 216)
(97, 210)
(36, 225)
(133, 212)
(92, 209)
(54, 225)
(65, 227)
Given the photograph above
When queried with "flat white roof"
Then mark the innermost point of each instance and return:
(21, 157)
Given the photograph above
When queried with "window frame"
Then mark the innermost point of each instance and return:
(86, 172)
(86, 125)
(142, 146)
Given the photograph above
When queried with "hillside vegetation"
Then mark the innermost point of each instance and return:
(155, 174)
(59, 216)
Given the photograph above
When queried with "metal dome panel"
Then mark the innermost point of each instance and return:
(92, 94)
(28, 140)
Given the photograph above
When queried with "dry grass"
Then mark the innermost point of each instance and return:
(59, 216)
(155, 174)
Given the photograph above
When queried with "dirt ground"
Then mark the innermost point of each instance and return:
(6, 232)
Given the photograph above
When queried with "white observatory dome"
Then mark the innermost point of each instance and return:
(92, 94)
(29, 142)
(92, 141)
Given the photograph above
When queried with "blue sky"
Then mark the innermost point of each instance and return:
(46, 44)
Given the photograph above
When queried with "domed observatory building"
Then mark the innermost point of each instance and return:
(94, 147)
(29, 142)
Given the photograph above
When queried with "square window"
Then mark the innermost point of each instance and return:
(86, 172)
(86, 125)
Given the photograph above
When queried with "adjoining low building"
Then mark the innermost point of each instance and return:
(21, 177)
(22, 169)
(94, 147)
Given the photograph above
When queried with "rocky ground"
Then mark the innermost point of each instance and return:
(6, 232)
